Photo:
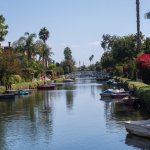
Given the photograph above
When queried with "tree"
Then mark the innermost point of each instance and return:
(124, 49)
(108, 41)
(9, 65)
(138, 24)
(147, 15)
(91, 57)
(3, 28)
(25, 44)
(67, 53)
(44, 35)
(68, 64)
(146, 46)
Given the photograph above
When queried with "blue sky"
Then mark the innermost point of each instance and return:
(78, 24)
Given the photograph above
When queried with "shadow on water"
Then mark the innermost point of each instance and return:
(138, 142)
(115, 113)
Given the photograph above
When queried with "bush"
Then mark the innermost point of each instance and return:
(17, 78)
(140, 89)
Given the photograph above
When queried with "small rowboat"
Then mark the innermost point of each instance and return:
(140, 128)
(46, 87)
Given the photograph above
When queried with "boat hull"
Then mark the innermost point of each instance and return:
(7, 97)
(119, 95)
(46, 87)
(140, 128)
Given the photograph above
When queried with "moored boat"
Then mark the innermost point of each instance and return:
(7, 96)
(23, 92)
(120, 94)
(140, 128)
(68, 80)
(46, 87)
(15, 92)
(107, 93)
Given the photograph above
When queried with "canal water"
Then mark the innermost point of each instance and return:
(72, 117)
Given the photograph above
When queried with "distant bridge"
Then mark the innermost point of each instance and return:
(84, 74)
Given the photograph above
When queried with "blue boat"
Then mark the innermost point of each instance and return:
(107, 93)
(23, 92)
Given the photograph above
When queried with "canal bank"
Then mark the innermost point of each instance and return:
(23, 85)
(31, 85)
(139, 89)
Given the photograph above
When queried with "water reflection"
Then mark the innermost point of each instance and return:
(69, 99)
(138, 142)
(116, 113)
(40, 121)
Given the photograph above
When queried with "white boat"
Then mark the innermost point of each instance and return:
(109, 92)
(68, 80)
(140, 128)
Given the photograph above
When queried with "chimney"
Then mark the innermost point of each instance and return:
(9, 43)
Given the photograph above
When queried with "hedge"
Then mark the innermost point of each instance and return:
(140, 89)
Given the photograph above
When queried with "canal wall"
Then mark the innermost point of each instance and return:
(139, 89)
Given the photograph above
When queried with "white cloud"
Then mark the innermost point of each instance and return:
(95, 43)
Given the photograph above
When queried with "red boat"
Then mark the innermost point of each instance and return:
(46, 87)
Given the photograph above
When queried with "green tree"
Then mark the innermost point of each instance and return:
(3, 28)
(107, 60)
(44, 35)
(91, 57)
(9, 65)
(124, 49)
(146, 46)
(68, 64)
(67, 53)
(107, 42)
(26, 45)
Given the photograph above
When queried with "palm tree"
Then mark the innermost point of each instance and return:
(44, 35)
(91, 57)
(26, 44)
(147, 15)
(138, 24)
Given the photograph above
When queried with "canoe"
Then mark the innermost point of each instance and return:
(140, 128)
(7, 96)
(46, 87)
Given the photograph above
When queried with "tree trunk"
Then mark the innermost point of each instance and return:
(138, 25)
